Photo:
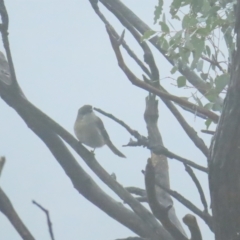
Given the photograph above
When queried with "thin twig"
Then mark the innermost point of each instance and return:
(49, 223)
(124, 44)
(143, 141)
(198, 185)
(213, 62)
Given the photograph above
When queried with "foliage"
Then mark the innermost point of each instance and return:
(201, 24)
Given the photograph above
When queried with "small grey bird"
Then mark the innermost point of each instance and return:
(89, 130)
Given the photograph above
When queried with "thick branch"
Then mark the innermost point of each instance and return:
(7, 209)
(158, 210)
(33, 116)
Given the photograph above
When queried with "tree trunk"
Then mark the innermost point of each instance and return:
(224, 160)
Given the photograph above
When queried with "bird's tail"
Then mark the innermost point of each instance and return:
(114, 149)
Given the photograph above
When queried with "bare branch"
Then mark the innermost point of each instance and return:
(129, 51)
(136, 191)
(143, 141)
(213, 62)
(136, 22)
(198, 185)
(159, 149)
(205, 216)
(134, 80)
(49, 223)
(7, 209)
(2, 162)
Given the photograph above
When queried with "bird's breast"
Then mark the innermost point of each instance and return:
(88, 133)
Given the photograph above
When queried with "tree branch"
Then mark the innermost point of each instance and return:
(7, 209)
(199, 187)
(49, 223)
(134, 80)
(149, 59)
(143, 141)
(158, 209)
(205, 216)
(137, 23)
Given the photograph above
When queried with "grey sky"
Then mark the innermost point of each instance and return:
(63, 60)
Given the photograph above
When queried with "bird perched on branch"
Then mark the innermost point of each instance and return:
(89, 130)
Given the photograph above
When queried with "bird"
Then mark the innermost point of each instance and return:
(89, 130)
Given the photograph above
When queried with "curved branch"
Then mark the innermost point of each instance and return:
(33, 117)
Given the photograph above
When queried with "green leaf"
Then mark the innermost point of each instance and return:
(198, 46)
(189, 21)
(221, 82)
(148, 34)
(163, 43)
(174, 69)
(164, 27)
(217, 107)
(181, 81)
(176, 4)
(185, 54)
(208, 106)
(204, 76)
(208, 123)
(196, 5)
(211, 95)
(158, 11)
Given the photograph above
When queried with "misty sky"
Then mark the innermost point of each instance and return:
(63, 60)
